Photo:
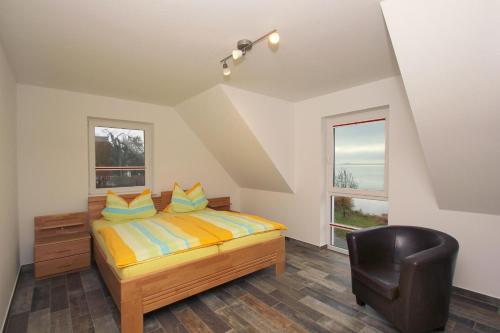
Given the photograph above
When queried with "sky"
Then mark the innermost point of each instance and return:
(101, 131)
(360, 143)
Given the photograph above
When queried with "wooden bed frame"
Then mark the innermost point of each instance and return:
(136, 296)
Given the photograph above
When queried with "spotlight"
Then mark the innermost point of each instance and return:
(274, 38)
(237, 54)
(225, 70)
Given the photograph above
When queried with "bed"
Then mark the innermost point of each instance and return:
(138, 289)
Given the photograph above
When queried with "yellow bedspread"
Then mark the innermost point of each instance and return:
(136, 241)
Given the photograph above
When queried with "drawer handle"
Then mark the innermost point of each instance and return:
(64, 266)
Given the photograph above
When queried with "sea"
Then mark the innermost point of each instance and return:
(368, 176)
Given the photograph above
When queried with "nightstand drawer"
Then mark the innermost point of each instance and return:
(62, 265)
(61, 249)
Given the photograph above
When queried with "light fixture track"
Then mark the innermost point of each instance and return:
(244, 45)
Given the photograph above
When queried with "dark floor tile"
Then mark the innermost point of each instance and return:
(301, 318)
(115, 313)
(58, 298)
(81, 320)
(295, 305)
(269, 300)
(21, 301)
(17, 323)
(58, 281)
(105, 324)
(60, 321)
(211, 319)
(169, 322)
(74, 283)
(191, 321)
(26, 277)
(41, 297)
(90, 280)
(151, 323)
(464, 321)
(313, 295)
(97, 304)
(485, 328)
(477, 296)
(39, 321)
(476, 303)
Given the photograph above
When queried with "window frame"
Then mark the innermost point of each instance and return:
(148, 143)
(332, 191)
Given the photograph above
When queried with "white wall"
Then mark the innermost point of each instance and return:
(221, 127)
(448, 52)
(271, 121)
(53, 153)
(9, 246)
(411, 199)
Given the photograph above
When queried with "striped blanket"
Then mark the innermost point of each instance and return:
(135, 241)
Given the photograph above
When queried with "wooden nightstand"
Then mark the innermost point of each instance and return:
(222, 203)
(62, 244)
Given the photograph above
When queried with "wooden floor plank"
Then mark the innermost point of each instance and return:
(236, 320)
(313, 295)
(209, 317)
(81, 320)
(41, 297)
(17, 323)
(191, 321)
(21, 302)
(352, 323)
(301, 318)
(273, 317)
(60, 321)
(39, 321)
(169, 322)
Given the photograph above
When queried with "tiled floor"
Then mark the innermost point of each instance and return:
(312, 296)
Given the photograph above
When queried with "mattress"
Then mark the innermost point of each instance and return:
(157, 263)
(131, 242)
(172, 260)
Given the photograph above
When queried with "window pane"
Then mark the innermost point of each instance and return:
(339, 239)
(354, 213)
(119, 157)
(119, 178)
(359, 155)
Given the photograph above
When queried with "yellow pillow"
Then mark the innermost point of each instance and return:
(118, 209)
(191, 200)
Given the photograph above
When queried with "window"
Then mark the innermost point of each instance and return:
(357, 173)
(119, 155)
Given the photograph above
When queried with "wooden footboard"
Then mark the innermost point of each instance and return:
(146, 293)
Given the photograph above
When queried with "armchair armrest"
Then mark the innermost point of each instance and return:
(372, 244)
(430, 273)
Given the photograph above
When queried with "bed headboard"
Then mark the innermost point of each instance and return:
(97, 203)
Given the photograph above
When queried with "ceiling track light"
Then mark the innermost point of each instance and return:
(225, 69)
(245, 45)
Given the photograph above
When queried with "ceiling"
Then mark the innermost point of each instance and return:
(163, 51)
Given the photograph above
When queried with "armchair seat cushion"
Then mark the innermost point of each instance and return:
(381, 278)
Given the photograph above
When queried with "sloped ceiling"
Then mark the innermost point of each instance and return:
(164, 52)
(216, 121)
(271, 121)
(449, 56)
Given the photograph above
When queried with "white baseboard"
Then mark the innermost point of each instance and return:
(10, 300)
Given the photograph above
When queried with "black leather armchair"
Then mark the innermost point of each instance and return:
(405, 273)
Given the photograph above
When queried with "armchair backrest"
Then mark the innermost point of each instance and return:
(410, 240)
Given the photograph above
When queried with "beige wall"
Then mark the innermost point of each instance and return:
(53, 153)
(9, 246)
(271, 121)
(449, 61)
(411, 198)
